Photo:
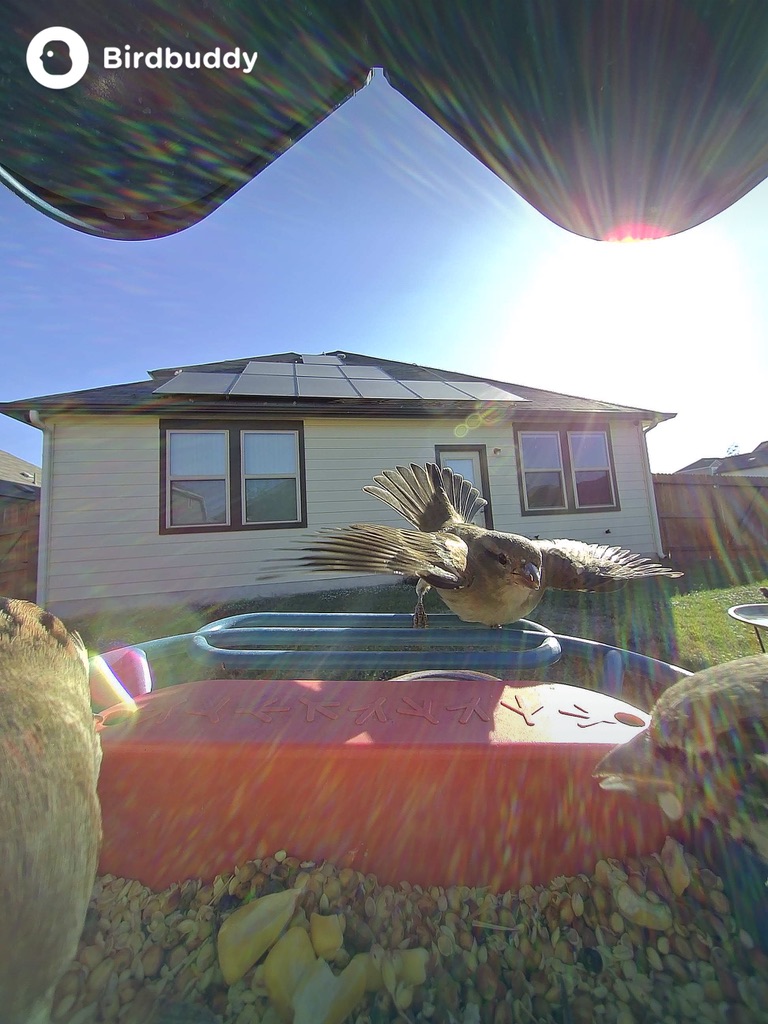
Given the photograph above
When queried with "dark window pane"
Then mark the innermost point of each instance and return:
(198, 502)
(594, 488)
(271, 501)
(545, 490)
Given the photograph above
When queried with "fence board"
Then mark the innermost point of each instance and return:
(706, 516)
(19, 529)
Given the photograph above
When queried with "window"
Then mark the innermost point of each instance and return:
(543, 479)
(231, 476)
(197, 477)
(591, 469)
(566, 471)
(270, 476)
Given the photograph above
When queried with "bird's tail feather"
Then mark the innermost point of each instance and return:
(429, 497)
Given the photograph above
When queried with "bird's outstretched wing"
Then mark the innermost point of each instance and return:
(429, 497)
(575, 565)
(438, 559)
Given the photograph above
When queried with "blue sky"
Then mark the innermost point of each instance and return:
(378, 233)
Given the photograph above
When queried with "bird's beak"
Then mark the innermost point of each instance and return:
(634, 767)
(531, 576)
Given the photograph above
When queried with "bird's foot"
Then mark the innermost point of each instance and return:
(419, 617)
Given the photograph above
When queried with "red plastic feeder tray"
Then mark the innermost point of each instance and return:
(437, 781)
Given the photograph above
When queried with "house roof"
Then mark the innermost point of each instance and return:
(756, 459)
(14, 470)
(330, 383)
(701, 466)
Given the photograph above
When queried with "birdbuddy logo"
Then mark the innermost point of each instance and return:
(58, 57)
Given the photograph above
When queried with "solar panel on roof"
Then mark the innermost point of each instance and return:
(320, 360)
(486, 392)
(325, 387)
(318, 370)
(366, 373)
(191, 382)
(280, 369)
(383, 389)
(266, 386)
(436, 389)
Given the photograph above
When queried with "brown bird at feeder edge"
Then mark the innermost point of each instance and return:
(482, 575)
(705, 752)
(50, 821)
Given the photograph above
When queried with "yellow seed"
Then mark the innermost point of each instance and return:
(287, 962)
(326, 934)
(388, 974)
(403, 996)
(639, 910)
(373, 980)
(324, 998)
(249, 932)
(413, 966)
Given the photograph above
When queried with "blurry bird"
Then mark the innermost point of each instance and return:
(50, 822)
(705, 752)
(482, 575)
(764, 591)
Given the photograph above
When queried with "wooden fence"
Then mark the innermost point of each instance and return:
(720, 517)
(19, 530)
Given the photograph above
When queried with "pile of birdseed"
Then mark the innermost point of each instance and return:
(648, 941)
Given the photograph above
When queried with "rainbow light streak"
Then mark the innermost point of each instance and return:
(104, 673)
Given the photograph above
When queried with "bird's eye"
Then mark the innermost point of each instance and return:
(503, 560)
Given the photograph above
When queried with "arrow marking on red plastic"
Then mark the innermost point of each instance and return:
(525, 713)
(582, 713)
(212, 714)
(418, 710)
(319, 707)
(264, 711)
(365, 711)
(151, 712)
(472, 707)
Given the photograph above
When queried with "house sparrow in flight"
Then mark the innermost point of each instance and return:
(482, 575)
(50, 821)
(705, 752)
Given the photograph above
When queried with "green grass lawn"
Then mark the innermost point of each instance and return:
(679, 621)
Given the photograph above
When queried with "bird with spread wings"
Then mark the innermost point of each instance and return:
(482, 575)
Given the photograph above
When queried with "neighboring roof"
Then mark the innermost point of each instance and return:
(326, 384)
(17, 471)
(701, 466)
(756, 459)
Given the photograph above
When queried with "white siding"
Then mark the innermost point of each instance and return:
(104, 541)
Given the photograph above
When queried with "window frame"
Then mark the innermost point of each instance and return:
(568, 471)
(195, 477)
(591, 469)
(234, 430)
(523, 470)
(244, 477)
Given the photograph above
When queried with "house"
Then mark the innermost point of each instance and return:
(754, 463)
(178, 488)
(19, 522)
